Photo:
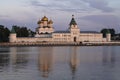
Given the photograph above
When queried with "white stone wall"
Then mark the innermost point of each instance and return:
(26, 39)
(108, 37)
(44, 40)
(104, 40)
(91, 37)
(34, 39)
(61, 37)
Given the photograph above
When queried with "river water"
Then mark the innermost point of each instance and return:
(60, 63)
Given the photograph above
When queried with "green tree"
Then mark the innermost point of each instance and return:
(31, 33)
(4, 34)
(23, 31)
(104, 31)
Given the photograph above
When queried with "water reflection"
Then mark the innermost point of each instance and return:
(60, 63)
(45, 60)
(4, 58)
(108, 69)
(73, 61)
(18, 60)
(108, 55)
(4, 49)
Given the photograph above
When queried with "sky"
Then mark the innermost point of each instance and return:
(90, 15)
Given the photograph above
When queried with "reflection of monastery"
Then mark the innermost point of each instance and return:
(45, 60)
(74, 58)
(46, 33)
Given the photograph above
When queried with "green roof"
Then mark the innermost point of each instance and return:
(13, 30)
(73, 22)
(108, 32)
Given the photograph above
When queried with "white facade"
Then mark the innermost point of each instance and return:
(13, 37)
(45, 33)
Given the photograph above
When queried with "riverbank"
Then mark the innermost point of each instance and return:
(61, 44)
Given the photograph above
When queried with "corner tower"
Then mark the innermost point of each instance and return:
(12, 37)
(108, 36)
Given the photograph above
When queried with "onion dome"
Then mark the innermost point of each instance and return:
(73, 22)
(44, 18)
(50, 22)
(39, 22)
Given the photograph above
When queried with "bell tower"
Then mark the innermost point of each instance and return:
(74, 30)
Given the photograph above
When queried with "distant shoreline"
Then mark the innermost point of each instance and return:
(60, 44)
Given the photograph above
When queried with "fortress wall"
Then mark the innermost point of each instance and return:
(28, 39)
(91, 37)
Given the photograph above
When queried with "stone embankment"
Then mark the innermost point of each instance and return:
(61, 44)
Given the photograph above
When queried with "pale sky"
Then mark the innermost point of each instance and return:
(90, 15)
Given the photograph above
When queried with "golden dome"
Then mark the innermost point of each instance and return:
(39, 22)
(44, 18)
(50, 22)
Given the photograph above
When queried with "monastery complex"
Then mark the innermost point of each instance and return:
(45, 33)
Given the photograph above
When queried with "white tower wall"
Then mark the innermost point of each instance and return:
(108, 37)
(12, 37)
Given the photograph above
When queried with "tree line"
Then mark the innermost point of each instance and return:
(20, 31)
(105, 31)
(23, 31)
(112, 31)
(4, 34)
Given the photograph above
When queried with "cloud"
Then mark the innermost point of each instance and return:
(4, 16)
(69, 5)
(10, 22)
(73, 10)
(37, 3)
(45, 4)
(100, 4)
(61, 5)
(101, 21)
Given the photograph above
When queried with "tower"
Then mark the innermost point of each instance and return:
(108, 36)
(74, 30)
(12, 37)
